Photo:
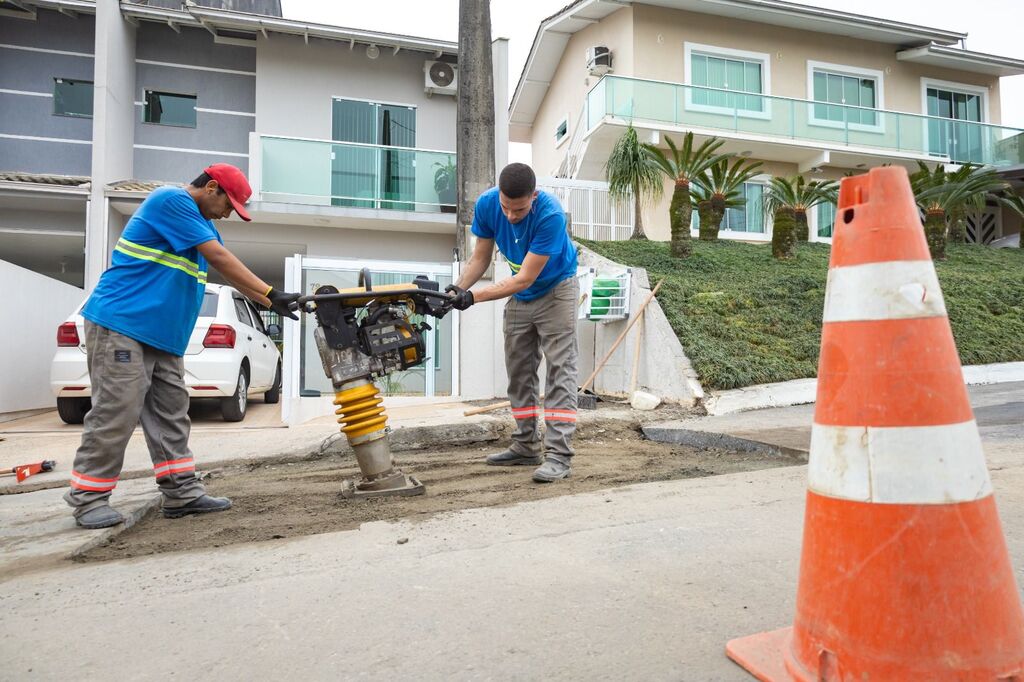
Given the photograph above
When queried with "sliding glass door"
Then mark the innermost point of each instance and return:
(956, 137)
(373, 177)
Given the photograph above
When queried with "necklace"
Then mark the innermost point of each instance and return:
(517, 237)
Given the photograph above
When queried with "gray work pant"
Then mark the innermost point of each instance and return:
(544, 325)
(133, 383)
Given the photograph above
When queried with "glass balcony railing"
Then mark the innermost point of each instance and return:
(692, 106)
(358, 175)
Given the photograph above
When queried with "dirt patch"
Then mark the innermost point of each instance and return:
(274, 500)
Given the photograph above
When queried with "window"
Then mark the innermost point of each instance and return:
(209, 308)
(72, 98)
(242, 311)
(826, 219)
(955, 111)
(170, 109)
(562, 131)
(726, 79)
(364, 176)
(746, 218)
(840, 89)
(257, 319)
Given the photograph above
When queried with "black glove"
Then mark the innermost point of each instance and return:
(463, 297)
(283, 303)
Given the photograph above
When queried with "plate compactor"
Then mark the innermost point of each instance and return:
(364, 334)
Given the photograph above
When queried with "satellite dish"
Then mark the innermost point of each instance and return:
(442, 74)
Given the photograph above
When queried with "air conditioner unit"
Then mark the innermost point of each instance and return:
(599, 60)
(440, 78)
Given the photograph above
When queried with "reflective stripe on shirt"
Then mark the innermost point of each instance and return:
(161, 257)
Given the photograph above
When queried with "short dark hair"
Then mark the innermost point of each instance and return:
(203, 180)
(517, 180)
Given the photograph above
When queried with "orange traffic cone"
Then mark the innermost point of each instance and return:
(904, 573)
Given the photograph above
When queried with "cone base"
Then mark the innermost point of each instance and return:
(764, 655)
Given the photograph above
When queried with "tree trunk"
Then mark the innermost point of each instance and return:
(710, 220)
(474, 138)
(638, 223)
(784, 233)
(801, 231)
(957, 226)
(935, 233)
(679, 220)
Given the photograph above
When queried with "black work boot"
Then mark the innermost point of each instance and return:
(200, 505)
(552, 470)
(510, 458)
(100, 517)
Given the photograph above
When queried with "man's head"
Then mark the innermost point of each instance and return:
(220, 189)
(517, 188)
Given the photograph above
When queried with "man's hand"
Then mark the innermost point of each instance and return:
(463, 298)
(281, 302)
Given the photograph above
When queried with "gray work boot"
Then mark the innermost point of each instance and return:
(200, 505)
(551, 470)
(509, 458)
(100, 517)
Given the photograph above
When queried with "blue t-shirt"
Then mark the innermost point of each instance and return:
(154, 287)
(542, 232)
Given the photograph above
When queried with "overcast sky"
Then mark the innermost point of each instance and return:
(992, 26)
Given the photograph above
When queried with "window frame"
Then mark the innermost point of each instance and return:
(951, 86)
(763, 180)
(145, 108)
(57, 81)
(765, 59)
(236, 300)
(559, 141)
(858, 72)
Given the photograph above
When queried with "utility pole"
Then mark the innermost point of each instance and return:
(474, 145)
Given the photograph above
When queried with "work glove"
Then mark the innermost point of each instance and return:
(283, 303)
(463, 297)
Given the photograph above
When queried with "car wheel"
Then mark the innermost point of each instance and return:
(233, 408)
(273, 396)
(73, 410)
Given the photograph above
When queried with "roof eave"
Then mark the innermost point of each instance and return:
(213, 18)
(964, 60)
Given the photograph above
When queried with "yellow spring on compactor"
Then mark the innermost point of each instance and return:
(360, 410)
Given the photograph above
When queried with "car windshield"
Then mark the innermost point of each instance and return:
(209, 308)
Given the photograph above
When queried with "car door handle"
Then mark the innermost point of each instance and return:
(249, 337)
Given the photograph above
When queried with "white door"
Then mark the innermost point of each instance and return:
(265, 348)
(248, 342)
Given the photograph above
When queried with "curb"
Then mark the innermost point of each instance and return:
(418, 437)
(709, 439)
(110, 533)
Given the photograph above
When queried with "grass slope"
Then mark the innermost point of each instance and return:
(746, 319)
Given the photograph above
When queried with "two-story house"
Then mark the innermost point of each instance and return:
(347, 136)
(803, 89)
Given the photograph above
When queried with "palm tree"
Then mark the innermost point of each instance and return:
(801, 196)
(942, 196)
(682, 165)
(719, 188)
(631, 172)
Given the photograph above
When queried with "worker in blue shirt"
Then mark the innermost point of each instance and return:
(529, 229)
(137, 325)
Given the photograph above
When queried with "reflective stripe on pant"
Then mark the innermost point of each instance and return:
(547, 326)
(132, 383)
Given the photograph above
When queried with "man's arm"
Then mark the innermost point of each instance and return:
(527, 275)
(234, 271)
(477, 265)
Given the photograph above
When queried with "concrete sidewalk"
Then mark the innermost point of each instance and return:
(261, 436)
(998, 408)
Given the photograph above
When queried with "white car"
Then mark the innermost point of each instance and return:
(230, 356)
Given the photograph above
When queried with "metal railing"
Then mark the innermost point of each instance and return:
(591, 212)
(698, 107)
(321, 172)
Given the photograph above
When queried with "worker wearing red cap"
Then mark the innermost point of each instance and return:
(138, 322)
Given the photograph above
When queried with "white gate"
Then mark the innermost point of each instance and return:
(590, 209)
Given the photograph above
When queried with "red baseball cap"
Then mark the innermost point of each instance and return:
(232, 180)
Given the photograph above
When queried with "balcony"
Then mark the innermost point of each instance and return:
(353, 175)
(786, 129)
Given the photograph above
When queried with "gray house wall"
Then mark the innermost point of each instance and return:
(32, 138)
(223, 79)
